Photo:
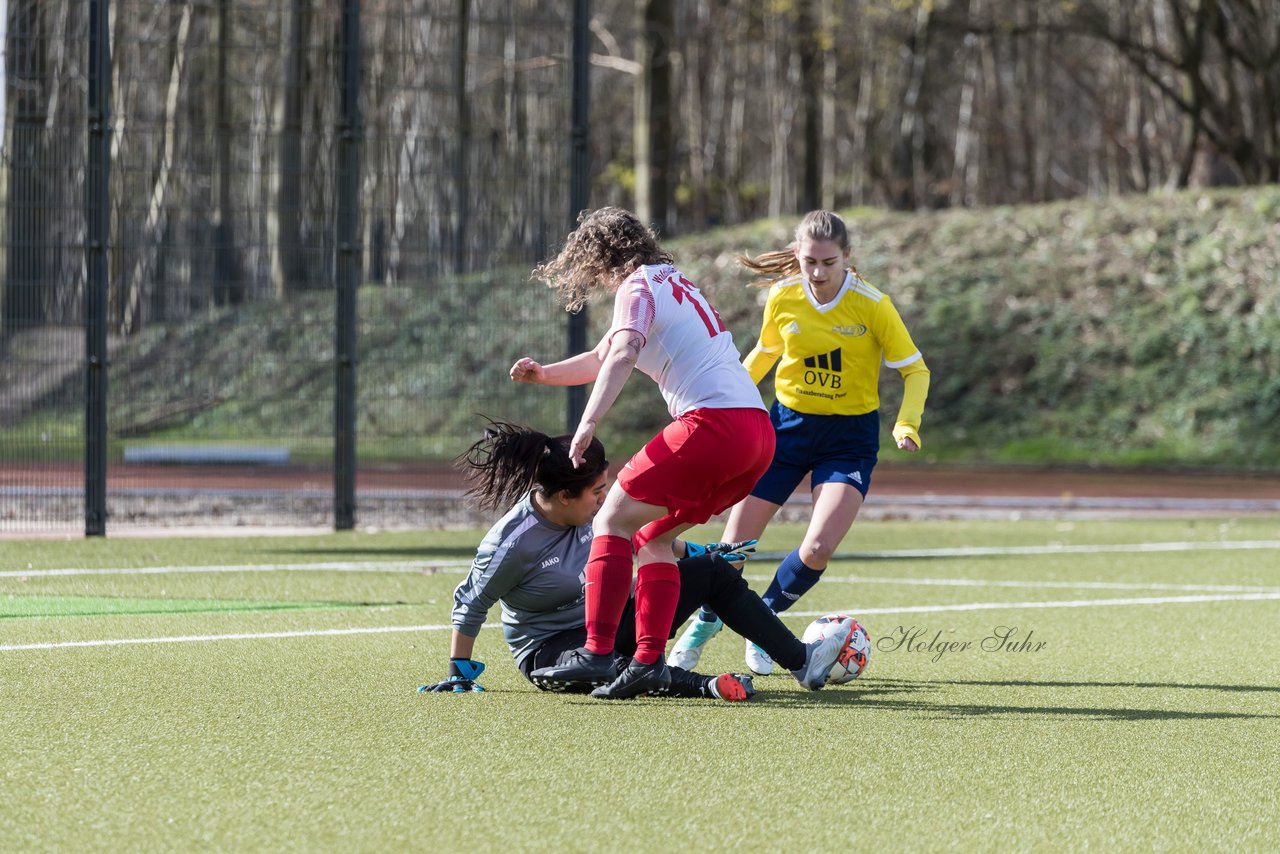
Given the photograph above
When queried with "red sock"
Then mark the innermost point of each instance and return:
(608, 588)
(657, 589)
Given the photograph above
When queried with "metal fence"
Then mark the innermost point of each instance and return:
(266, 261)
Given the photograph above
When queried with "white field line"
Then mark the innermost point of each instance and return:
(910, 609)
(1069, 603)
(333, 566)
(420, 566)
(372, 630)
(998, 551)
(1037, 585)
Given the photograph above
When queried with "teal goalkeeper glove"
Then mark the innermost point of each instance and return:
(463, 673)
(732, 552)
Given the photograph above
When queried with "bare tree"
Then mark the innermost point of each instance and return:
(654, 113)
(291, 268)
(462, 141)
(909, 167)
(140, 282)
(808, 48)
(26, 297)
(229, 285)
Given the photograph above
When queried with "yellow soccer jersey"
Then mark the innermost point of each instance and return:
(829, 355)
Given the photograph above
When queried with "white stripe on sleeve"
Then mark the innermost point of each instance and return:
(902, 363)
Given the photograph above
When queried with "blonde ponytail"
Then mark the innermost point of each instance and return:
(781, 263)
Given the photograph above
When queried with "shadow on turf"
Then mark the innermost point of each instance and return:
(886, 695)
(967, 710)
(784, 696)
(1023, 683)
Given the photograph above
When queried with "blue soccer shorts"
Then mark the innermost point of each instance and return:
(832, 448)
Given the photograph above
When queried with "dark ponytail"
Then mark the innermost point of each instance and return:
(510, 460)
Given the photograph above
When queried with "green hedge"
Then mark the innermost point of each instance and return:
(1137, 330)
(1142, 329)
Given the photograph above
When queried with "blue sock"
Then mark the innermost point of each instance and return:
(792, 580)
(706, 615)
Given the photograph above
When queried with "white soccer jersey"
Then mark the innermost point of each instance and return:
(687, 350)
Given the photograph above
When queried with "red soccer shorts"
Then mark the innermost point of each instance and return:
(701, 464)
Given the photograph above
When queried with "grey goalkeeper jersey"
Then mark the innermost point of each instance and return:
(536, 570)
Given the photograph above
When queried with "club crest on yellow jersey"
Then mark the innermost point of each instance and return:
(856, 330)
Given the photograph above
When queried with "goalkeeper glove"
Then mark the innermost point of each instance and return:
(732, 552)
(463, 673)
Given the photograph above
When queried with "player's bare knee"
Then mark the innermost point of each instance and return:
(656, 551)
(816, 554)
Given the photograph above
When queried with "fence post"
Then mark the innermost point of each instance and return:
(347, 273)
(579, 183)
(97, 226)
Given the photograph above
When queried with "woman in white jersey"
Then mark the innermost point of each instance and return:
(719, 442)
(828, 331)
(531, 563)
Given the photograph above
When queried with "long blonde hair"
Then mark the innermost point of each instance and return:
(781, 263)
(607, 244)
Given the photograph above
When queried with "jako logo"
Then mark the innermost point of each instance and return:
(827, 374)
(551, 561)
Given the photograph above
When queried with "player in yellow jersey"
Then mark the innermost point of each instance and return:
(828, 331)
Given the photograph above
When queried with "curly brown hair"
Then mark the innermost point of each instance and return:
(608, 245)
(816, 225)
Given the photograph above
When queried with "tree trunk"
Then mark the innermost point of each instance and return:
(291, 271)
(229, 284)
(998, 178)
(462, 114)
(735, 124)
(829, 150)
(141, 279)
(862, 113)
(781, 110)
(964, 162)
(911, 189)
(25, 283)
(653, 113)
(806, 31)
(697, 116)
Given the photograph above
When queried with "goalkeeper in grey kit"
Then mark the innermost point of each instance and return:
(532, 562)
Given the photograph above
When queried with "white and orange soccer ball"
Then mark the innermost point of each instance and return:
(854, 654)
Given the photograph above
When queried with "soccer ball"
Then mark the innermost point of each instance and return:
(856, 651)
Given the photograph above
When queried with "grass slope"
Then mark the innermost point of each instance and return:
(1135, 330)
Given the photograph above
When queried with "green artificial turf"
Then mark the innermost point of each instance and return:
(295, 724)
(14, 606)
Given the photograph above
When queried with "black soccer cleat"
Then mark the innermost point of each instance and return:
(635, 680)
(576, 667)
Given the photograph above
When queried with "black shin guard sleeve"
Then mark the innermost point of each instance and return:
(742, 610)
(698, 577)
(685, 683)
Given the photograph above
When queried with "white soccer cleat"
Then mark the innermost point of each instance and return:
(758, 660)
(688, 649)
(822, 653)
